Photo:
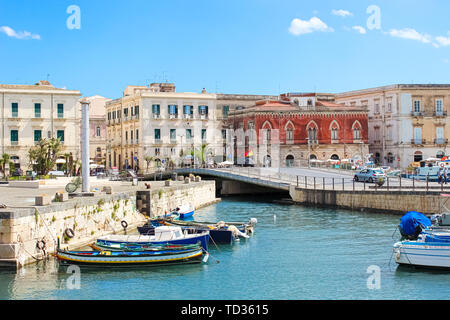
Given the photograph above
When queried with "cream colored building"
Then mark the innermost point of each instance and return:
(158, 122)
(407, 123)
(31, 112)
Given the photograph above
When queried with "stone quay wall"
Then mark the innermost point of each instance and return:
(23, 231)
(396, 202)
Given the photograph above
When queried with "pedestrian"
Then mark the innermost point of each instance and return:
(439, 176)
(445, 175)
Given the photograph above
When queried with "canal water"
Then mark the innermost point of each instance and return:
(296, 253)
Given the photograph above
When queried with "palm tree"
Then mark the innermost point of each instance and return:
(148, 159)
(4, 160)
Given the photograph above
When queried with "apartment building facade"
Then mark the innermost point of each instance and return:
(156, 121)
(407, 122)
(32, 112)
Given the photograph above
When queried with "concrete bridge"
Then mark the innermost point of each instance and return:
(328, 188)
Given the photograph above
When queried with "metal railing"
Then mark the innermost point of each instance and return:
(275, 176)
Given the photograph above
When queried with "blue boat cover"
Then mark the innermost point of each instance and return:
(411, 220)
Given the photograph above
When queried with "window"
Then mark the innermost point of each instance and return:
(377, 133)
(390, 158)
(416, 106)
(173, 111)
(439, 135)
(157, 151)
(37, 135)
(136, 111)
(157, 134)
(109, 115)
(418, 156)
(417, 135)
(377, 107)
(14, 109)
(225, 111)
(334, 134)
(173, 135)
(203, 111)
(312, 134)
(356, 133)
(224, 134)
(188, 134)
(156, 109)
(14, 137)
(290, 134)
(389, 107)
(188, 111)
(137, 134)
(203, 134)
(37, 110)
(98, 131)
(389, 133)
(439, 107)
(60, 110)
(125, 113)
(60, 135)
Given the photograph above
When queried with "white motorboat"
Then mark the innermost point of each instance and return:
(430, 250)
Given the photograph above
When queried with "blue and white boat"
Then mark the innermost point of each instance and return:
(162, 235)
(184, 212)
(429, 250)
(426, 245)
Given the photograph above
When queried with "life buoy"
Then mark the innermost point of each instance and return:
(442, 165)
(124, 224)
(69, 233)
(41, 245)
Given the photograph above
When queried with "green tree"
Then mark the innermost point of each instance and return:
(4, 160)
(148, 160)
(43, 155)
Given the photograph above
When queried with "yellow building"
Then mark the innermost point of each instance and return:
(407, 122)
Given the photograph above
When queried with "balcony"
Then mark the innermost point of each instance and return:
(158, 141)
(156, 116)
(173, 116)
(440, 114)
(203, 116)
(14, 143)
(60, 115)
(418, 142)
(173, 141)
(417, 114)
(441, 141)
(187, 116)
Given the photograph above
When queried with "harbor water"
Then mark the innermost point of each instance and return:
(296, 253)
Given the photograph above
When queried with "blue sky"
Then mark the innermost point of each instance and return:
(228, 46)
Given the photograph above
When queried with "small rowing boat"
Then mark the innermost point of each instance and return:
(143, 247)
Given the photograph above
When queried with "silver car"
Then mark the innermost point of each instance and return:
(369, 175)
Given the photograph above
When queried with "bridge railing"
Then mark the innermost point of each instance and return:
(349, 183)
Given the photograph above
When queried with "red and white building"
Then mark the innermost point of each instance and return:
(298, 127)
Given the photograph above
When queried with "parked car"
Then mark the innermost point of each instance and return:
(369, 175)
(56, 173)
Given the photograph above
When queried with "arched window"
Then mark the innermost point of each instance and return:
(290, 161)
(267, 130)
(356, 128)
(98, 131)
(418, 156)
(390, 157)
(334, 127)
(334, 157)
(289, 132)
(312, 129)
(313, 157)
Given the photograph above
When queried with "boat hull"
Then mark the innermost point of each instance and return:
(126, 260)
(420, 254)
(186, 215)
(202, 238)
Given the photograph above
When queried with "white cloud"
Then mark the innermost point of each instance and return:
(19, 35)
(444, 41)
(360, 29)
(410, 34)
(299, 27)
(341, 13)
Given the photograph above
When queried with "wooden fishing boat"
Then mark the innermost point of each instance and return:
(162, 235)
(143, 247)
(184, 212)
(127, 259)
